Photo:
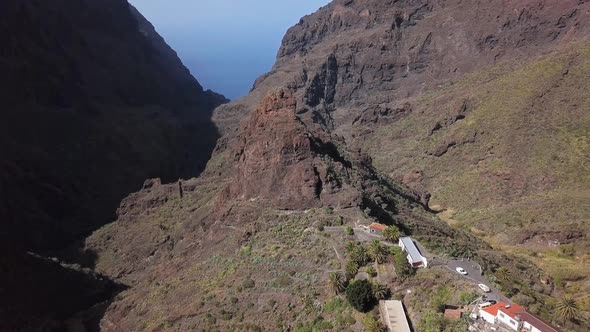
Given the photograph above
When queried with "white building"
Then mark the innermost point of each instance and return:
(514, 317)
(415, 258)
(394, 316)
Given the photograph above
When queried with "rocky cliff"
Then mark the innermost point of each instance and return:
(93, 103)
(477, 105)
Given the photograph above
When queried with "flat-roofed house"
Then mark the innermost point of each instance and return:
(415, 258)
(394, 316)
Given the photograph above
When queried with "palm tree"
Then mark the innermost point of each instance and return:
(350, 246)
(352, 268)
(380, 291)
(503, 274)
(359, 255)
(378, 252)
(336, 282)
(567, 308)
(392, 234)
(372, 324)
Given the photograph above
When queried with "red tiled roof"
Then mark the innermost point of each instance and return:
(512, 311)
(453, 313)
(377, 226)
(537, 323)
(493, 309)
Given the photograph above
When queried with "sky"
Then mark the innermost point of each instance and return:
(226, 44)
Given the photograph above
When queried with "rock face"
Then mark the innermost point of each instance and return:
(466, 94)
(94, 102)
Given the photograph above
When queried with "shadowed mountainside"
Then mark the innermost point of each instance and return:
(94, 102)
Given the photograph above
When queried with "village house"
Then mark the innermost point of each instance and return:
(453, 312)
(377, 228)
(514, 317)
(414, 257)
(394, 316)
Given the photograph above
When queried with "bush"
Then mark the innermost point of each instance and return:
(402, 267)
(371, 271)
(467, 297)
(360, 295)
(248, 283)
(349, 231)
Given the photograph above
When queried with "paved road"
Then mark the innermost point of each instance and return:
(474, 273)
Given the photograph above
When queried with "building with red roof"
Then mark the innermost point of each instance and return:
(515, 317)
(377, 228)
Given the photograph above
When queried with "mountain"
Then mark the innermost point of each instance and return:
(93, 103)
(407, 113)
(463, 124)
(479, 105)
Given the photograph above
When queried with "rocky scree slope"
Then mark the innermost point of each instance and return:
(238, 247)
(93, 103)
(479, 104)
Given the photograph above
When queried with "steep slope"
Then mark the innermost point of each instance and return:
(241, 247)
(94, 102)
(478, 104)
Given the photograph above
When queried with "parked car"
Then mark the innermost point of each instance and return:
(461, 270)
(484, 288)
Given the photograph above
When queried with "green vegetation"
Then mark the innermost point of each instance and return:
(336, 282)
(377, 252)
(468, 297)
(371, 271)
(352, 268)
(359, 294)
(402, 267)
(381, 292)
(392, 234)
(349, 231)
(435, 322)
(372, 324)
(567, 309)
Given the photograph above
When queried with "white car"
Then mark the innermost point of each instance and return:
(461, 270)
(484, 288)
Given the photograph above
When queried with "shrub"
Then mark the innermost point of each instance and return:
(402, 267)
(349, 231)
(371, 271)
(248, 283)
(360, 295)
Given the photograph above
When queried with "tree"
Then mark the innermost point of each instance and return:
(352, 268)
(402, 267)
(350, 246)
(432, 322)
(349, 231)
(372, 324)
(359, 255)
(377, 252)
(392, 234)
(360, 295)
(381, 292)
(567, 308)
(503, 274)
(336, 282)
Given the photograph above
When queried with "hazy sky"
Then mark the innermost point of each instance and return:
(226, 44)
